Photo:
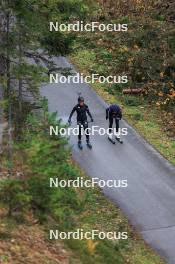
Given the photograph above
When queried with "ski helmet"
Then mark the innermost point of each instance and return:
(80, 99)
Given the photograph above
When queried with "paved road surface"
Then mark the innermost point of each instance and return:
(149, 200)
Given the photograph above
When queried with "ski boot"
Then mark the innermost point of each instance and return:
(111, 139)
(89, 144)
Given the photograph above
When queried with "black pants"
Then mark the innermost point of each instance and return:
(84, 125)
(111, 120)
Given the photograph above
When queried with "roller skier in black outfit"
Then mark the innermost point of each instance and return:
(114, 113)
(82, 110)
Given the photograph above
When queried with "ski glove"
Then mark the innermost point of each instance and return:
(92, 120)
(69, 121)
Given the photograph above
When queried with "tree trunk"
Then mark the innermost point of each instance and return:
(9, 92)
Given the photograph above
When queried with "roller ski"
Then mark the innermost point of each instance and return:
(89, 145)
(111, 139)
(119, 140)
(80, 145)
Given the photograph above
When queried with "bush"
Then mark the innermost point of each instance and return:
(14, 195)
(34, 192)
(132, 100)
(138, 116)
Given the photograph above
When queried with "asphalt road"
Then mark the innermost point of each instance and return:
(149, 199)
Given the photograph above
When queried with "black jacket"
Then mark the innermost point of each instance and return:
(82, 112)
